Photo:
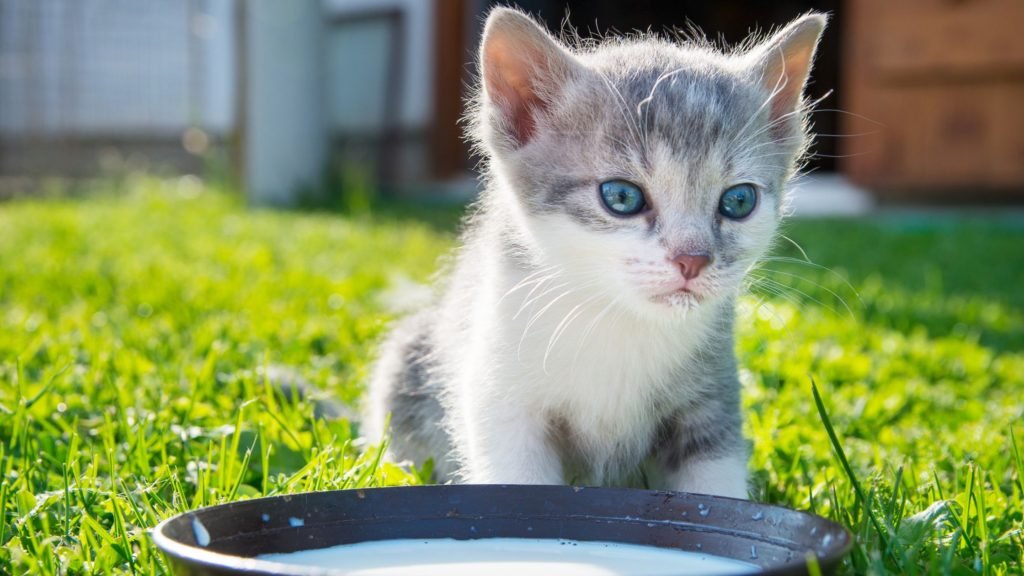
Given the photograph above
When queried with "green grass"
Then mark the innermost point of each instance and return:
(132, 328)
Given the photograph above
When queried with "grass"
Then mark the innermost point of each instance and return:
(132, 328)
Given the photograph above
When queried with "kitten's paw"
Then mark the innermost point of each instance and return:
(719, 477)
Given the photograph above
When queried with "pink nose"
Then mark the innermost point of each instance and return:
(691, 264)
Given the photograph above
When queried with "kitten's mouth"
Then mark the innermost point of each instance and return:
(684, 296)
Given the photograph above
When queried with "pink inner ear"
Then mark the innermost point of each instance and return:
(510, 73)
(788, 78)
(522, 119)
(517, 101)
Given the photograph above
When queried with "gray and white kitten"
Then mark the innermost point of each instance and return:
(585, 330)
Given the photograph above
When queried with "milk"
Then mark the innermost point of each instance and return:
(509, 556)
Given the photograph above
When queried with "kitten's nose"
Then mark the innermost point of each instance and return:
(691, 264)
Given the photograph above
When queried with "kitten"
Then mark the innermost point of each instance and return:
(585, 330)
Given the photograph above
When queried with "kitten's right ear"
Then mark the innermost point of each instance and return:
(522, 66)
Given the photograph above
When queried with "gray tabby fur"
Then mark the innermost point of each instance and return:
(561, 347)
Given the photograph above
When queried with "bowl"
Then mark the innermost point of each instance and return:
(225, 539)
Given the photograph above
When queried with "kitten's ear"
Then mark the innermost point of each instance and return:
(522, 67)
(783, 62)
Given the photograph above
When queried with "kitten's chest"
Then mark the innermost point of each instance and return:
(605, 376)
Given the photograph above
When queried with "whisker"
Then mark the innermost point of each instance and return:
(579, 286)
(563, 326)
(838, 156)
(797, 246)
(802, 109)
(761, 284)
(809, 263)
(537, 316)
(762, 301)
(528, 301)
(808, 280)
(854, 135)
(531, 279)
(848, 113)
(785, 287)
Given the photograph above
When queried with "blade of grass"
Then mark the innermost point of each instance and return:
(894, 499)
(841, 454)
(813, 568)
(982, 526)
(122, 533)
(4, 491)
(264, 461)
(46, 387)
(954, 517)
(1017, 460)
(241, 471)
(67, 504)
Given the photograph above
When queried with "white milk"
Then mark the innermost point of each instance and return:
(509, 556)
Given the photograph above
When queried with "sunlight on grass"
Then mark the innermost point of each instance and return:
(133, 328)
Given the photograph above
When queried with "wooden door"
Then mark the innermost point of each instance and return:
(933, 95)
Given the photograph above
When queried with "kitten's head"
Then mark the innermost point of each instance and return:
(650, 170)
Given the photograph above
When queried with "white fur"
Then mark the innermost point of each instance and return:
(556, 350)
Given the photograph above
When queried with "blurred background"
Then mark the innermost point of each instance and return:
(922, 101)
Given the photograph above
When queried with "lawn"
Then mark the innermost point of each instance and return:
(133, 326)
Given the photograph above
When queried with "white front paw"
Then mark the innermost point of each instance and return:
(719, 477)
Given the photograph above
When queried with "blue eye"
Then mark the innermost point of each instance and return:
(622, 198)
(738, 202)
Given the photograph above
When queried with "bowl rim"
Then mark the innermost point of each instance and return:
(194, 555)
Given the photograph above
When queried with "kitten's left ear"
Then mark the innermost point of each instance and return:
(783, 62)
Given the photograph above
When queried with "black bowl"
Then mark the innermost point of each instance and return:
(224, 539)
